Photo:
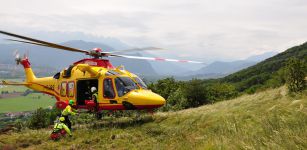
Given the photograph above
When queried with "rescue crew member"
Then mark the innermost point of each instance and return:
(95, 97)
(67, 112)
(60, 125)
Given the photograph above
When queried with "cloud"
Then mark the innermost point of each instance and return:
(199, 29)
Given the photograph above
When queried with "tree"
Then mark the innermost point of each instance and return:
(220, 91)
(39, 119)
(164, 87)
(176, 100)
(295, 75)
(195, 93)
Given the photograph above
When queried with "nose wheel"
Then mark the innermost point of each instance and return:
(128, 106)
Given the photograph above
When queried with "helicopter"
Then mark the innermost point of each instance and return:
(118, 89)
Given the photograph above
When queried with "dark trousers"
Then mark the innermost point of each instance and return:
(67, 122)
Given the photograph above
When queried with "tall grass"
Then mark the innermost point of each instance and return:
(266, 120)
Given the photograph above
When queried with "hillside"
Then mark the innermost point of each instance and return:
(259, 74)
(266, 120)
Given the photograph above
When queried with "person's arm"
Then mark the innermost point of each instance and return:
(93, 97)
(70, 110)
(67, 129)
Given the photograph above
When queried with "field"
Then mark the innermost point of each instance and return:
(23, 103)
(26, 103)
(266, 120)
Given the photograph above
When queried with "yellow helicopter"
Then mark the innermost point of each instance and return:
(117, 88)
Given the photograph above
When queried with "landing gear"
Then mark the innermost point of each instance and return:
(128, 105)
(98, 115)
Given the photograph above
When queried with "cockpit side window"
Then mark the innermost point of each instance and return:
(140, 82)
(124, 85)
(108, 90)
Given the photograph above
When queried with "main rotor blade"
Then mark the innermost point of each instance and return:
(44, 43)
(154, 59)
(28, 42)
(136, 49)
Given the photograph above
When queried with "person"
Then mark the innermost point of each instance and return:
(95, 96)
(67, 112)
(87, 90)
(60, 126)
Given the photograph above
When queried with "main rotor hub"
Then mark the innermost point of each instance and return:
(97, 50)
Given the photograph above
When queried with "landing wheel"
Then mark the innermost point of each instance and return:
(98, 115)
(128, 106)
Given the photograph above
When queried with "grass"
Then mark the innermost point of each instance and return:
(13, 88)
(266, 120)
(23, 103)
(26, 103)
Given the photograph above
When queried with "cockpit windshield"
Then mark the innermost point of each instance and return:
(124, 85)
(140, 82)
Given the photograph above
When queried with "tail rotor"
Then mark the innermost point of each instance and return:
(17, 57)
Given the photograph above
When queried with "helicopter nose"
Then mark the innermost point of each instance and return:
(145, 99)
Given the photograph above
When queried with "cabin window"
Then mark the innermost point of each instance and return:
(63, 89)
(71, 89)
(108, 90)
(124, 85)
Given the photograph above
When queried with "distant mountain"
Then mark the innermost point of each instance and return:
(59, 37)
(219, 69)
(43, 56)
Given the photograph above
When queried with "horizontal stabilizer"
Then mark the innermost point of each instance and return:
(13, 83)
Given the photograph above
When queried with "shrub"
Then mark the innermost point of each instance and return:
(164, 87)
(195, 94)
(220, 91)
(295, 75)
(38, 119)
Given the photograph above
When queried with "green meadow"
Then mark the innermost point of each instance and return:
(23, 103)
(267, 120)
(26, 103)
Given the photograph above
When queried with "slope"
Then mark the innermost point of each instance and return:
(260, 73)
(266, 120)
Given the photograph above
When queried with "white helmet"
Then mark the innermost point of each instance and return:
(93, 89)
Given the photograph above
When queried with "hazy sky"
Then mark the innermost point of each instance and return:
(197, 29)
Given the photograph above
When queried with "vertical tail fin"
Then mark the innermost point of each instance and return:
(30, 76)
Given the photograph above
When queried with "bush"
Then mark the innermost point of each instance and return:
(164, 87)
(195, 94)
(176, 101)
(220, 91)
(42, 118)
(295, 75)
(38, 119)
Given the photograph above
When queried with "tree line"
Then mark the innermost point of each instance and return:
(187, 94)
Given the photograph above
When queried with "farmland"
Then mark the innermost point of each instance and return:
(19, 103)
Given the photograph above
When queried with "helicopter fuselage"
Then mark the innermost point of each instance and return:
(117, 89)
